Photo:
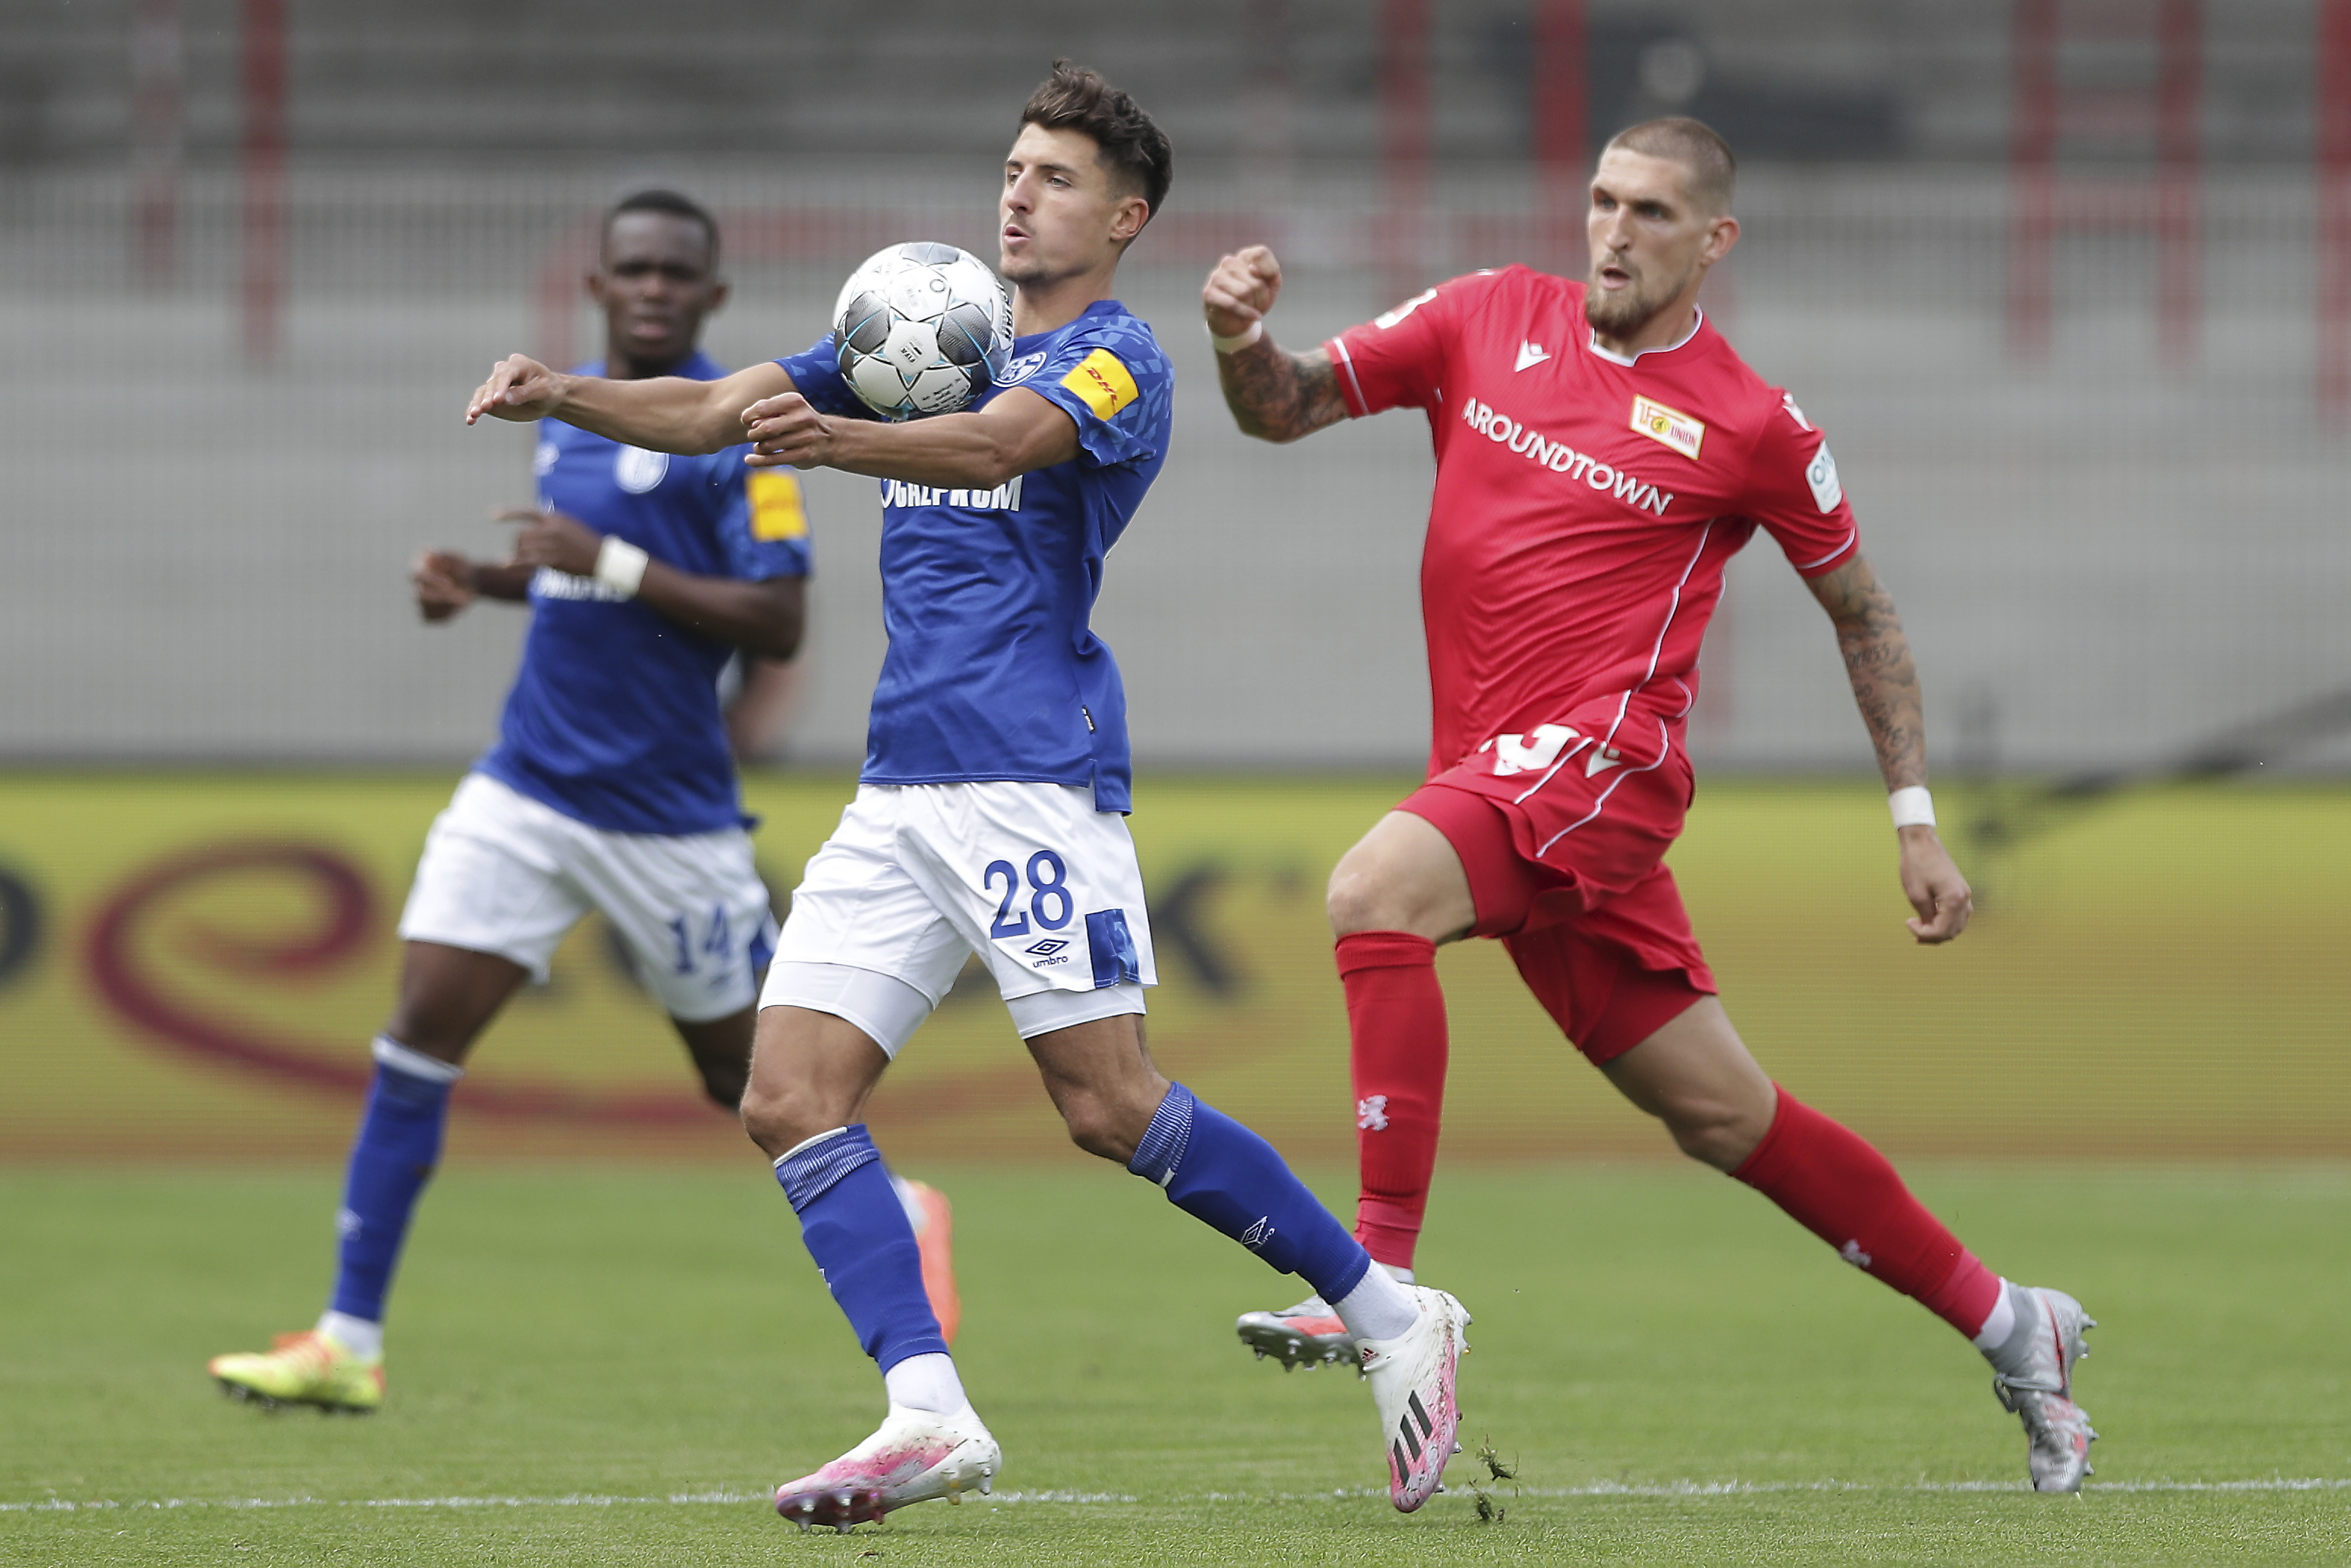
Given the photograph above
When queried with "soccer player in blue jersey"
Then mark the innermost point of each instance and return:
(991, 816)
(611, 786)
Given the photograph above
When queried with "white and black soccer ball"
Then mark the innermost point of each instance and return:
(921, 328)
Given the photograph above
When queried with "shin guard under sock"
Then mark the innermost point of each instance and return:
(399, 1143)
(862, 1242)
(1219, 1172)
(1835, 1185)
(1397, 1046)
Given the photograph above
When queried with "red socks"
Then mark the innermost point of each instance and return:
(1827, 1178)
(1395, 1029)
(1835, 1186)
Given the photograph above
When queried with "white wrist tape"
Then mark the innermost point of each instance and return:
(621, 565)
(1912, 806)
(1235, 345)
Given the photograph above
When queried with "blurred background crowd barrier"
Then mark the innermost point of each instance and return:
(2067, 282)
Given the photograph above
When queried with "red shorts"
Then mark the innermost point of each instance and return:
(1566, 867)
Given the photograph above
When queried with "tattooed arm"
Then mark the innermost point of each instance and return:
(1275, 396)
(1886, 689)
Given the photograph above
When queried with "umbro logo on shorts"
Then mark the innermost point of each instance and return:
(1047, 948)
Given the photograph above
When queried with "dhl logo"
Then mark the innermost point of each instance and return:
(1101, 383)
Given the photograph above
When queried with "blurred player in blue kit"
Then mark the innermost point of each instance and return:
(611, 786)
(990, 813)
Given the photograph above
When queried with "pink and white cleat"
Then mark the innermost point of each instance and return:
(1412, 1378)
(914, 1457)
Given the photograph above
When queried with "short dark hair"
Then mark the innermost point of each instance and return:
(1136, 151)
(1697, 146)
(672, 203)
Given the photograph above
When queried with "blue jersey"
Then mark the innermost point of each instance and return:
(613, 719)
(993, 672)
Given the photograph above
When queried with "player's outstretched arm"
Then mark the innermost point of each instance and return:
(764, 618)
(1885, 688)
(1275, 396)
(662, 414)
(1015, 433)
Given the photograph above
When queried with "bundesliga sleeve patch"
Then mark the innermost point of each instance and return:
(1101, 383)
(1669, 426)
(777, 511)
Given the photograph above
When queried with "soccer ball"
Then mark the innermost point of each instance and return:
(921, 328)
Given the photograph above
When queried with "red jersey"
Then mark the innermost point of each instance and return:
(1586, 507)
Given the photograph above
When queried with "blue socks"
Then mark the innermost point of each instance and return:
(1212, 1168)
(398, 1145)
(856, 1229)
(1218, 1171)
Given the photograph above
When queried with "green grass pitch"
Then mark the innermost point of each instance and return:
(613, 1365)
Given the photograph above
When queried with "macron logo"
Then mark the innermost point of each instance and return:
(1530, 354)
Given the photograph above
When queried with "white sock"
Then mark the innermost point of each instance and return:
(2000, 1324)
(1378, 1307)
(928, 1383)
(1401, 1276)
(360, 1337)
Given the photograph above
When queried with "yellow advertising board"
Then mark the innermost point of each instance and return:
(192, 966)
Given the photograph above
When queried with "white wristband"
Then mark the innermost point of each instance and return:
(1913, 807)
(1235, 345)
(621, 565)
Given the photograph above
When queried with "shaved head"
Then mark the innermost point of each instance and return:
(1709, 170)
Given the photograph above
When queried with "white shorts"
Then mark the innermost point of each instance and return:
(506, 874)
(919, 876)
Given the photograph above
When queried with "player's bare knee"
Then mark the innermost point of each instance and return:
(1108, 1120)
(1102, 1124)
(1361, 899)
(1714, 1133)
(1705, 1143)
(780, 1115)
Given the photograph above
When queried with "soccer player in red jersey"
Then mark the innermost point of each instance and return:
(1602, 453)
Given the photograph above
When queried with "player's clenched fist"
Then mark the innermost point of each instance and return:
(786, 431)
(1240, 290)
(1934, 886)
(444, 583)
(519, 387)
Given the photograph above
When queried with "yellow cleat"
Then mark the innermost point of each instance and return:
(305, 1368)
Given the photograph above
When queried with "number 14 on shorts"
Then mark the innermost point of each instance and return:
(716, 942)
